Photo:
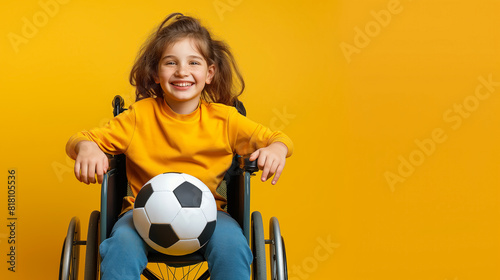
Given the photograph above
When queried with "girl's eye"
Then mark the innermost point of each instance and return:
(169, 63)
(194, 63)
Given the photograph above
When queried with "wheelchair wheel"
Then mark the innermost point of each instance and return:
(70, 255)
(277, 252)
(284, 258)
(92, 251)
(258, 247)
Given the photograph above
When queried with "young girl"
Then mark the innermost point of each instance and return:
(182, 121)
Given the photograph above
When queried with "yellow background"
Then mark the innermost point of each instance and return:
(355, 116)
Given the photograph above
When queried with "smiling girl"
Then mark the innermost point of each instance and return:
(183, 120)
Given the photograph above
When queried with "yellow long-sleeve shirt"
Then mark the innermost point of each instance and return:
(156, 140)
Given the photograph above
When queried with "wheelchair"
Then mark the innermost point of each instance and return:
(235, 187)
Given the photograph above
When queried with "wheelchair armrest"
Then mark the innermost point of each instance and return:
(247, 165)
(238, 191)
(113, 189)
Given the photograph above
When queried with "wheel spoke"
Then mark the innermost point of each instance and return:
(188, 272)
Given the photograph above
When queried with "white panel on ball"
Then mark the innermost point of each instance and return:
(164, 207)
(141, 222)
(182, 246)
(189, 223)
(208, 206)
(168, 182)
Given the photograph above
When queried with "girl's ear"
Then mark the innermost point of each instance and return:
(210, 74)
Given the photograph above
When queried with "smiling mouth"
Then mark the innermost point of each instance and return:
(182, 84)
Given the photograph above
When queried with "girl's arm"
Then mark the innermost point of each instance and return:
(271, 147)
(88, 147)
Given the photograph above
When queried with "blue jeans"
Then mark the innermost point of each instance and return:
(124, 254)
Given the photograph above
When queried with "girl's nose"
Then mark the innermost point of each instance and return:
(182, 70)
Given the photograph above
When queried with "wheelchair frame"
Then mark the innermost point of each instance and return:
(114, 188)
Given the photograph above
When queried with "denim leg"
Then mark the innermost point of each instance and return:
(227, 252)
(124, 254)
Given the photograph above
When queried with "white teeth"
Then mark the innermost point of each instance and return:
(182, 84)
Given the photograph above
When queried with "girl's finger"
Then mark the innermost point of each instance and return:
(277, 175)
(84, 173)
(273, 169)
(77, 171)
(99, 171)
(261, 161)
(266, 170)
(254, 155)
(92, 169)
(106, 165)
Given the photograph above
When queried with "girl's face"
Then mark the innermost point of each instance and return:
(182, 74)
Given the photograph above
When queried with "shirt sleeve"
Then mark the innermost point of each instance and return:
(247, 136)
(113, 138)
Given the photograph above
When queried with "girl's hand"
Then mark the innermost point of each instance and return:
(271, 160)
(90, 161)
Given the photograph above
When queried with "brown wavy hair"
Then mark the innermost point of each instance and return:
(227, 83)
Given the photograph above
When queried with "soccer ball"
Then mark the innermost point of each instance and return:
(175, 213)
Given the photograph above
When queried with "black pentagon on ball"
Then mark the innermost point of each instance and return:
(207, 233)
(143, 196)
(163, 235)
(188, 195)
